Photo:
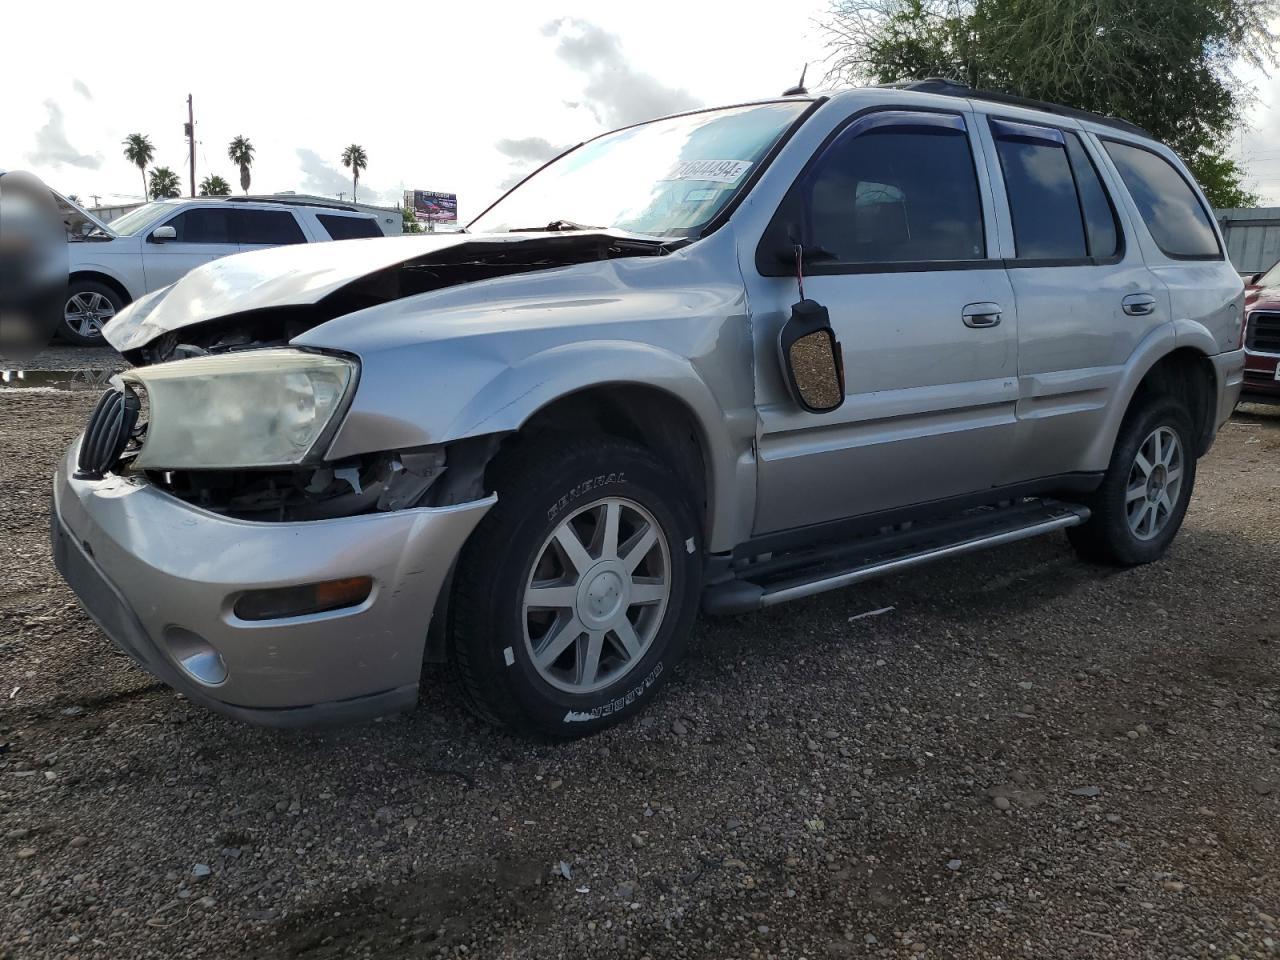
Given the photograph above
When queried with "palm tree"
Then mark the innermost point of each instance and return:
(240, 152)
(139, 151)
(214, 186)
(355, 160)
(164, 183)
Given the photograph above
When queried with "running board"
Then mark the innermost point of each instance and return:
(804, 574)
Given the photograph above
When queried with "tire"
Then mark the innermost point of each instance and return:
(551, 493)
(89, 305)
(1110, 536)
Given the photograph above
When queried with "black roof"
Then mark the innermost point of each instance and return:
(950, 88)
(293, 202)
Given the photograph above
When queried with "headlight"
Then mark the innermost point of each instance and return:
(260, 408)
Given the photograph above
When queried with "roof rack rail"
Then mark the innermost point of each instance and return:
(294, 202)
(953, 88)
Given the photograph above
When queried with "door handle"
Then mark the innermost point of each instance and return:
(1139, 304)
(979, 315)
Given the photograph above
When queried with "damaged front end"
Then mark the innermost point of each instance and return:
(268, 298)
(439, 476)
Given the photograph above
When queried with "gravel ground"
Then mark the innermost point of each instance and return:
(1023, 757)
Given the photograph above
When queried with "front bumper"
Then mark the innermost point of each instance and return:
(153, 571)
(1260, 381)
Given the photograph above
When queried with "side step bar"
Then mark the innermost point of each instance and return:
(804, 574)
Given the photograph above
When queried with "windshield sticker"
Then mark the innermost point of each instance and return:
(702, 195)
(715, 171)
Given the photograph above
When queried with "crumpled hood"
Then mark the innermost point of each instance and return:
(296, 275)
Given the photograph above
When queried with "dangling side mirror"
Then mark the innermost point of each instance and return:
(811, 358)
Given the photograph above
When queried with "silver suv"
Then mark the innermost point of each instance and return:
(720, 361)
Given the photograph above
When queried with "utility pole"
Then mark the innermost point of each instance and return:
(191, 141)
(96, 198)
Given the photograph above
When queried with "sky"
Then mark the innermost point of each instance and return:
(454, 97)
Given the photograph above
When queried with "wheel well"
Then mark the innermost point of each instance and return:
(105, 280)
(1187, 375)
(644, 415)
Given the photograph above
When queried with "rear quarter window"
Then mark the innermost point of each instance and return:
(1169, 206)
(348, 228)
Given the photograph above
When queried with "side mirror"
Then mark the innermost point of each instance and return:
(1254, 279)
(161, 234)
(811, 358)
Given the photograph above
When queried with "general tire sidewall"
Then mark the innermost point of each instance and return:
(580, 481)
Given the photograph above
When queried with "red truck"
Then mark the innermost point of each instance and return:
(1262, 338)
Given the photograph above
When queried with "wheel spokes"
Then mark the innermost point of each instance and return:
(556, 644)
(589, 657)
(609, 540)
(574, 552)
(551, 598)
(627, 636)
(638, 547)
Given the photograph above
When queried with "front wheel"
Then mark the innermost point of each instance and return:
(88, 308)
(1144, 496)
(575, 596)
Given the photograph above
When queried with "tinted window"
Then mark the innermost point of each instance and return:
(203, 226)
(1099, 215)
(349, 228)
(268, 226)
(895, 193)
(1042, 193)
(1169, 207)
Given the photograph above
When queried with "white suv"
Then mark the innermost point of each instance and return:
(156, 244)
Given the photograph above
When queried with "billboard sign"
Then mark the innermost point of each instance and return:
(431, 207)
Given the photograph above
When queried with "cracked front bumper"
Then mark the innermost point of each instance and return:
(153, 571)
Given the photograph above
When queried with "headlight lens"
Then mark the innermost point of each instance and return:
(260, 408)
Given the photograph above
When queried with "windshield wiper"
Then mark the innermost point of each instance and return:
(555, 226)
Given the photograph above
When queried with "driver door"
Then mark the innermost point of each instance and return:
(896, 209)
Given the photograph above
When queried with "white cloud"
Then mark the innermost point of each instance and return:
(53, 149)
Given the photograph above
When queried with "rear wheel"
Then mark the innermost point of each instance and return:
(1144, 496)
(576, 594)
(88, 308)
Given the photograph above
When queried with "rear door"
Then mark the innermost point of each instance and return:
(923, 308)
(1085, 295)
(203, 234)
(259, 229)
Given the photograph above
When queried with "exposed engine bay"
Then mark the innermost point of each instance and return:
(436, 476)
(468, 262)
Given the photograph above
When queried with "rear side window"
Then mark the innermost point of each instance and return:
(1169, 207)
(348, 228)
(275, 227)
(1059, 207)
(211, 225)
(895, 188)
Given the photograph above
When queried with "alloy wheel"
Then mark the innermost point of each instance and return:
(1155, 483)
(596, 595)
(86, 312)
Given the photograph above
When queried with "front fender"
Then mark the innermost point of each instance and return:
(506, 396)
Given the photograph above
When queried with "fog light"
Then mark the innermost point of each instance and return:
(196, 656)
(299, 601)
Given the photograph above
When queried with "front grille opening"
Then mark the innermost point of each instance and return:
(1263, 334)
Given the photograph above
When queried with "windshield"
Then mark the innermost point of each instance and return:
(135, 221)
(666, 178)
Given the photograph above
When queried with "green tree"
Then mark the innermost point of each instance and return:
(240, 152)
(139, 151)
(164, 183)
(1166, 65)
(355, 160)
(410, 223)
(214, 186)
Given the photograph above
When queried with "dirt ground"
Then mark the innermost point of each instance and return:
(1024, 757)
